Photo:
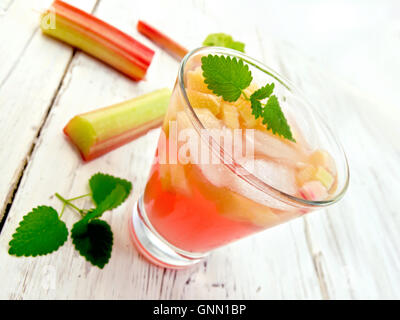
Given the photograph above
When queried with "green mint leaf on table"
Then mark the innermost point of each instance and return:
(93, 237)
(229, 77)
(80, 227)
(275, 120)
(223, 40)
(226, 76)
(111, 201)
(103, 184)
(94, 241)
(40, 232)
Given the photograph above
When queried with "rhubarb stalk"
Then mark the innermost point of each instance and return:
(99, 39)
(100, 131)
(165, 42)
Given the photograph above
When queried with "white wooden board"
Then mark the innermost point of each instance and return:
(347, 251)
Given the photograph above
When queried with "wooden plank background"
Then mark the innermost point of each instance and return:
(348, 251)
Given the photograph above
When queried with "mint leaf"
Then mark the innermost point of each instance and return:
(113, 200)
(257, 108)
(40, 232)
(103, 184)
(223, 40)
(237, 45)
(92, 237)
(263, 92)
(260, 94)
(94, 242)
(80, 227)
(226, 76)
(275, 119)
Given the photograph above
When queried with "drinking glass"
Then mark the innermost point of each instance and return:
(202, 195)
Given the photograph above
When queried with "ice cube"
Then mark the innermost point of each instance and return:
(270, 146)
(218, 174)
(278, 176)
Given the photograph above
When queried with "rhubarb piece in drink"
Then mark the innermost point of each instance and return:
(324, 177)
(230, 116)
(195, 81)
(204, 100)
(313, 191)
(305, 174)
(324, 159)
(99, 39)
(100, 131)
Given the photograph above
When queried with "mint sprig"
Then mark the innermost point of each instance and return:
(229, 77)
(42, 232)
(223, 40)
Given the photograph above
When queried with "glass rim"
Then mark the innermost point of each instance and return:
(247, 175)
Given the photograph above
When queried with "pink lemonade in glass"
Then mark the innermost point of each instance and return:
(219, 174)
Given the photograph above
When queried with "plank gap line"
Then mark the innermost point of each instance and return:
(316, 260)
(15, 186)
(96, 5)
(340, 253)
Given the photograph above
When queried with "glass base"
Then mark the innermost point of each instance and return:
(153, 247)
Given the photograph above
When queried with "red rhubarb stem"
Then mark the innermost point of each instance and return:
(98, 38)
(162, 40)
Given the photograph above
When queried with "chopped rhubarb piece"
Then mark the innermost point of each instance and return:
(305, 174)
(165, 42)
(195, 81)
(203, 100)
(99, 39)
(230, 116)
(207, 118)
(315, 173)
(325, 177)
(313, 191)
(324, 159)
(100, 131)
